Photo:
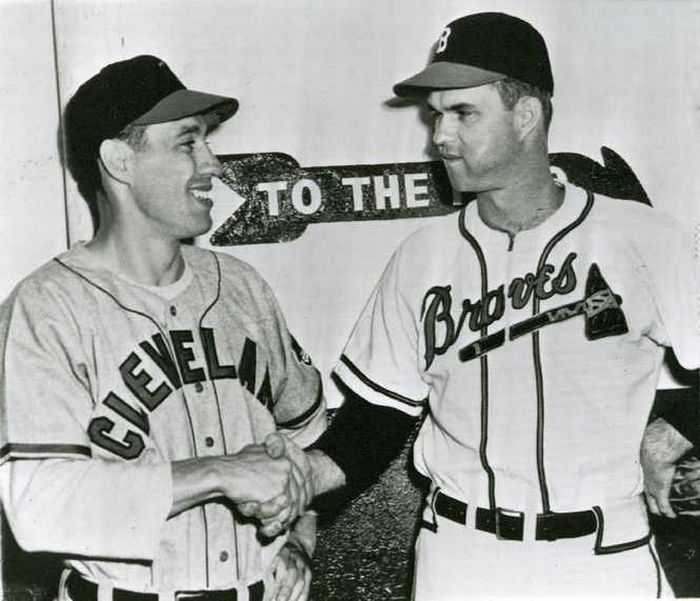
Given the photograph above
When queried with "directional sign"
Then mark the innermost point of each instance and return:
(273, 199)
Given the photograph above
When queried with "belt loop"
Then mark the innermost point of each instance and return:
(432, 525)
(62, 585)
(104, 592)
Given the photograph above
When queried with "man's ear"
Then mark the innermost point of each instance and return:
(528, 114)
(114, 157)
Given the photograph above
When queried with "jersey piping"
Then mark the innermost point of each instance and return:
(29, 450)
(376, 387)
(539, 377)
(484, 367)
(203, 512)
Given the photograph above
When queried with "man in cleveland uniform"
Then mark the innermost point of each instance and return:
(529, 328)
(140, 376)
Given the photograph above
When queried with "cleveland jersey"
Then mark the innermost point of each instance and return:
(97, 366)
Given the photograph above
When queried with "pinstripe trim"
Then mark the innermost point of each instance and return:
(24, 449)
(599, 549)
(221, 427)
(483, 360)
(376, 387)
(201, 322)
(537, 358)
(300, 419)
(166, 339)
(657, 565)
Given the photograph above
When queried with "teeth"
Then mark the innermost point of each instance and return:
(199, 194)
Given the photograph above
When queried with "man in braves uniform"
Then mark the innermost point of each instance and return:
(529, 330)
(140, 376)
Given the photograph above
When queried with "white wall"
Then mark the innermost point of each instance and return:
(313, 75)
(32, 213)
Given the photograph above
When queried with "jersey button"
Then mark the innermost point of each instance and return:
(198, 387)
(223, 556)
(209, 441)
(173, 310)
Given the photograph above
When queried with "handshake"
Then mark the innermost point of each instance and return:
(274, 483)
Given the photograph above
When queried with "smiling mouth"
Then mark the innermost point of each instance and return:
(201, 196)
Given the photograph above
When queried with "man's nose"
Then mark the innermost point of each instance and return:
(209, 164)
(443, 130)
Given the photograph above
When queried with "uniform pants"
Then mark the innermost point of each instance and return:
(459, 562)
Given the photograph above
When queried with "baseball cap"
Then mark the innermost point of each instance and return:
(480, 49)
(138, 91)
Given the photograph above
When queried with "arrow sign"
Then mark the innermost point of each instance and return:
(282, 198)
(275, 199)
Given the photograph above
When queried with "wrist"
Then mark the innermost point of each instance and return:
(326, 475)
(297, 543)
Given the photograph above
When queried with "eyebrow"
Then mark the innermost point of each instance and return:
(191, 129)
(460, 106)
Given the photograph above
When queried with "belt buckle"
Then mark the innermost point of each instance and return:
(499, 513)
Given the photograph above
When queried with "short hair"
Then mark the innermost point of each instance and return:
(511, 90)
(86, 173)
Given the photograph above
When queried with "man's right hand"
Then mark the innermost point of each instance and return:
(251, 477)
(254, 475)
(273, 516)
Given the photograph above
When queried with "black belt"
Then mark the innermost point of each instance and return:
(508, 524)
(80, 589)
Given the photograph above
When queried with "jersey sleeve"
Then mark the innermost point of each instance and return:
(44, 399)
(298, 403)
(91, 508)
(58, 498)
(669, 266)
(380, 361)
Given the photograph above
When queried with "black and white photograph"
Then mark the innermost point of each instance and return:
(349, 300)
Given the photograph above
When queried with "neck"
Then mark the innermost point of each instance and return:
(139, 255)
(522, 205)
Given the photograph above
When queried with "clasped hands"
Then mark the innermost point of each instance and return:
(281, 488)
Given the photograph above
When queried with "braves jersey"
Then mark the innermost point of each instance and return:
(536, 358)
(96, 366)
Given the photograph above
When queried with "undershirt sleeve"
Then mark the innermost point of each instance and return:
(363, 438)
(680, 407)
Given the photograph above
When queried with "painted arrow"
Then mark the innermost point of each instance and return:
(283, 198)
(274, 198)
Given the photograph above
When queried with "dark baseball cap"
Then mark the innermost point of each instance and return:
(139, 91)
(480, 49)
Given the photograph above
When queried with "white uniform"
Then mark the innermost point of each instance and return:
(96, 366)
(537, 360)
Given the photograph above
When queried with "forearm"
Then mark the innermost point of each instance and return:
(680, 408)
(326, 475)
(361, 441)
(195, 481)
(663, 444)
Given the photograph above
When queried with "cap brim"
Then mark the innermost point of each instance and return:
(445, 76)
(185, 103)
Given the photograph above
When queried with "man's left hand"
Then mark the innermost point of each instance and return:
(291, 572)
(662, 447)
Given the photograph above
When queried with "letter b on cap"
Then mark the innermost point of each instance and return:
(442, 40)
